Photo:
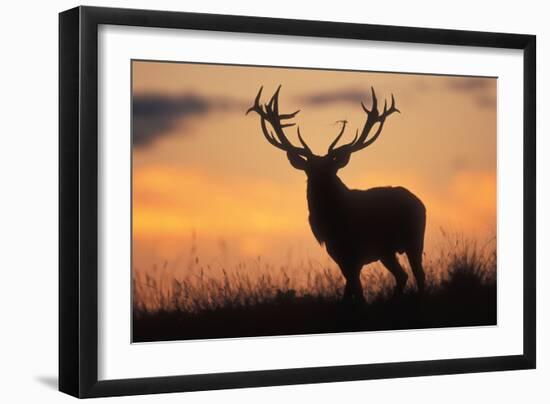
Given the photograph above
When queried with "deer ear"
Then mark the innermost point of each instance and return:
(342, 159)
(296, 161)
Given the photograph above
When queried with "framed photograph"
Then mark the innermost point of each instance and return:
(251, 201)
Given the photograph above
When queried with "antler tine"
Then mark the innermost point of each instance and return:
(270, 113)
(387, 111)
(335, 141)
(274, 101)
(392, 108)
(289, 116)
(374, 102)
(304, 144)
(256, 106)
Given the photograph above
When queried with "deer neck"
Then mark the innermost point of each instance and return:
(325, 193)
(325, 199)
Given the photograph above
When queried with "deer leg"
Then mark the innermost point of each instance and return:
(415, 259)
(397, 271)
(348, 293)
(353, 288)
(358, 288)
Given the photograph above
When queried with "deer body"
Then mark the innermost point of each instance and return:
(366, 225)
(356, 226)
(360, 227)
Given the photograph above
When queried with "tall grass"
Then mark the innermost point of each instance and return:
(460, 265)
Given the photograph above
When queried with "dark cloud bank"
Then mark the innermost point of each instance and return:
(154, 115)
(479, 88)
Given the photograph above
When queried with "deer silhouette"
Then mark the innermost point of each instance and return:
(358, 227)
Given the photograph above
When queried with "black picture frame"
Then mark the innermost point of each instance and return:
(78, 201)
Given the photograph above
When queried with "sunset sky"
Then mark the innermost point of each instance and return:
(203, 170)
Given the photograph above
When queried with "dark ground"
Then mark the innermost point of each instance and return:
(462, 301)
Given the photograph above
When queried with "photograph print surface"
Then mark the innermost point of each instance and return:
(283, 201)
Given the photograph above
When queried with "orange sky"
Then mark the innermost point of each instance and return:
(200, 166)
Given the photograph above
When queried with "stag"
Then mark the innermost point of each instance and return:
(357, 227)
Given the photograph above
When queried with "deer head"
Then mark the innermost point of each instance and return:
(302, 158)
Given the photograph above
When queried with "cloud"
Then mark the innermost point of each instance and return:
(154, 115)
(350, 95)
(486, 101)
(468, 83)
(482, 89)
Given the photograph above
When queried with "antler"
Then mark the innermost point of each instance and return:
(333, 144)
(270, 113)
(373, 116)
